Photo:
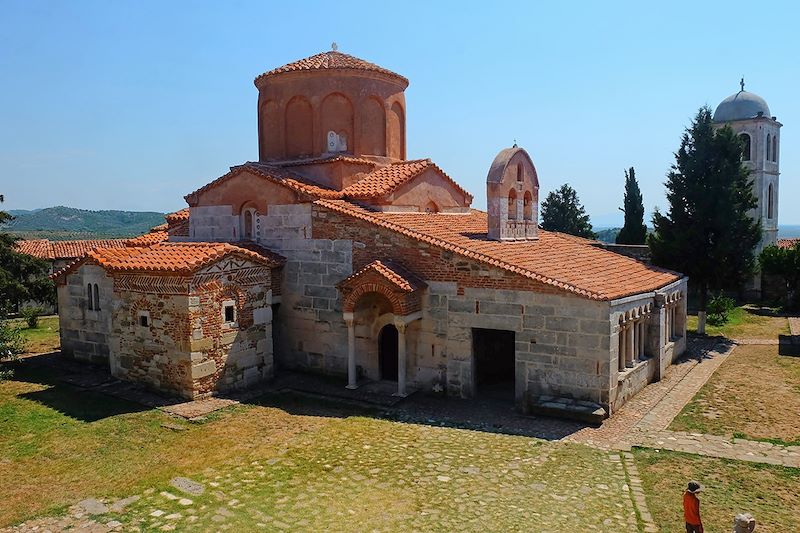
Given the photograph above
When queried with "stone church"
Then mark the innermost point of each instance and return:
(335, 254)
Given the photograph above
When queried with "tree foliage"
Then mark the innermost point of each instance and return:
(562, 211)
(784, 262)
(22, 277)
(634, 231)
(707, 233)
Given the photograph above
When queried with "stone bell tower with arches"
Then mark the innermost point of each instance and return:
(749, 116)
(512, 192)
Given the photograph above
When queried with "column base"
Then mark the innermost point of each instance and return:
(400, 394)
(630, 364)
(351, 387)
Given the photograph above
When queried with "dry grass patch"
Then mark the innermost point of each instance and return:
(755, 394)
(770, 493)
(744, 323)
(43, 338)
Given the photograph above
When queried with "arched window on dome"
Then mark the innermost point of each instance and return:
(769, 147)
(745, 146)
(527, 206)
(770, 203)
(512, 205)
(775, 148)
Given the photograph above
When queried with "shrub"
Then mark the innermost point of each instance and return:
(719, 309)
(31, 315)
(11, 345)
(784, 262)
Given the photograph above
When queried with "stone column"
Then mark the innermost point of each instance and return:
(401, 359)
(351, 351)
(629, 355)
(621, 354)
(641, 338)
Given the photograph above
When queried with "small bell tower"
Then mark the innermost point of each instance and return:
(512, 192)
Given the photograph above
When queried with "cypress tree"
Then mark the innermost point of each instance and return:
(634, 231)
(562, 211)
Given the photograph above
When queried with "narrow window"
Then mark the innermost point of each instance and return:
(770, 204)
(230, 313)
(89, 296)
(745, 146)
(775, 148)
(144, 320)
(512, 205)
(520, 173)
(769, 147)
(248, 224)
(96, 298)
(527, 206)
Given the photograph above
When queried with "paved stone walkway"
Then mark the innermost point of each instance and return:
(643, 421)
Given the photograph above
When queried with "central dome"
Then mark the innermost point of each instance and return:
(741, 106)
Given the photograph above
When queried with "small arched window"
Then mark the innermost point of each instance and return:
(745, 146)
(770, 203)
(512, 205)
(769, 147)
(520, 173)
(527, 206)
(96, 298)
(431, 207)
(775, 148)
(89, 297)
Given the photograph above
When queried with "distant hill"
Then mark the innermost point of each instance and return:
(607, 234)
(61, 223)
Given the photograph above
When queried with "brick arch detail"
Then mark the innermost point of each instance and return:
(350, 299)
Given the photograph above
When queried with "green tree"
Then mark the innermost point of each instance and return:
(784, 262)
(706, 232)
(22, 277)
(634, 231)
(562, 211)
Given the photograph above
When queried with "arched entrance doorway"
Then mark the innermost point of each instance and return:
(387, 352)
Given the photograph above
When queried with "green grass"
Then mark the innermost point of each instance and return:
(770, 493)
(43, 338)
(289, 462)
(755, 394)
(743, 323)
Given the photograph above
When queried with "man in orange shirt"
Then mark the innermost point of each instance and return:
(691, 508)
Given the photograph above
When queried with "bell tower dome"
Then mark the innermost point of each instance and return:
(749, 116)
(512, 192)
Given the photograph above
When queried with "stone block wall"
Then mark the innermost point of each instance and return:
(215, 223)
(84, 332)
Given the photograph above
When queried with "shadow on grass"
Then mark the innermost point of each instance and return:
(789, 345)
(53, 372)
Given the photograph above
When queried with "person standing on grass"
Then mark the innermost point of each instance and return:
(691, 508)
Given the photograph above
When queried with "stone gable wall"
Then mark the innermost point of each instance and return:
(84, 333)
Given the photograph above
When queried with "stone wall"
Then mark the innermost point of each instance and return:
(215, 223)
(188, 348)
(84, 332)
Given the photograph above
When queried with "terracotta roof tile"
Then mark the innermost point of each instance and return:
(275, 174)
(787, 243)
(572, 264)
(325, 159)
(36, 247)
(394, 274)
(170, 258)
(177, 216)
(385, 180)
(331, 60)
(148, 238)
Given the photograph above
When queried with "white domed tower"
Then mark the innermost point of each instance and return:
(749, 116)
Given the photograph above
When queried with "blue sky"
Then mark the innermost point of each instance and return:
(132, 105)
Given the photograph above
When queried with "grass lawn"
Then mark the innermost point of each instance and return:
(289, 463)
(755, 394)
(770, 493)
(43, 338)
(744, 324)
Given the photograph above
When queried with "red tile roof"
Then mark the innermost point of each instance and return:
(177, 216)
(325, 159)
(331, 60)
(787, 243)
(394, 274)
(274, 174)
(46, 249)
(385, 180)
(569, 263)
(170, 257)
(149, 238)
